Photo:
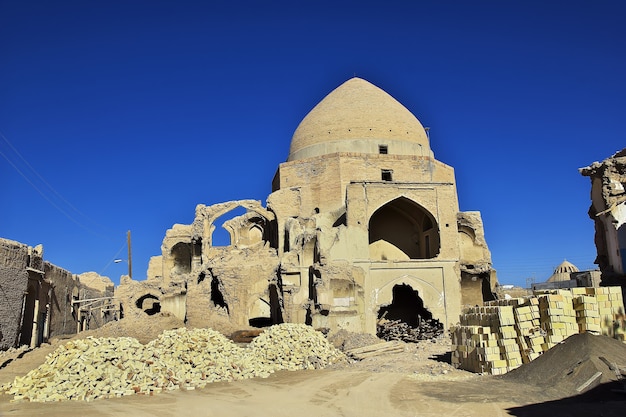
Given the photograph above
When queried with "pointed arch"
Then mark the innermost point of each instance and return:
(402, 230)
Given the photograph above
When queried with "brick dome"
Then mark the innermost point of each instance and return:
(358, 117)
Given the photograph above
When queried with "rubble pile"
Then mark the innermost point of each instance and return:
(345, 340)
(398, 330)
(294, 346)
(87, 369)
(193, 358)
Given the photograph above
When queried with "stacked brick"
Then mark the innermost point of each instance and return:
(611, 311)
(530, 336)
(557, 317)
(487, 343)
(587, 312)
(503, 334)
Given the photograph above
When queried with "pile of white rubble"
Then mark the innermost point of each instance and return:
(92, 368)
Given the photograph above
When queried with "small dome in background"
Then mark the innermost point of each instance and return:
(563, 271)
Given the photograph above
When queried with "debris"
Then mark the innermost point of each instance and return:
(399, 330)
(93, 368)
(376, 350)
(590, 381)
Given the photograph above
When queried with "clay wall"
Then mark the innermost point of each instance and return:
(62, 319)
(36, 297)
(13, 285)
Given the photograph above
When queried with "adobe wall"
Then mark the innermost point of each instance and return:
(36, 297)
(13, 285)
(66, 287)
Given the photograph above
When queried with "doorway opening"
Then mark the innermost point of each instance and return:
(406, 318)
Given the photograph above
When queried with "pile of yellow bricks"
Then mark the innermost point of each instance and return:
(503, 334)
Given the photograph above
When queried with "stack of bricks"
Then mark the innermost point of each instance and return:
(487, 343)
(530, 336)
(557, 317)
(611, 310)
(504, 334)
(587, 312)
(507, 340)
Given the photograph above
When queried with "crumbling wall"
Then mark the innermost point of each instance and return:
(205, 285)
(65, 287)
(608, 211)
(236, 281)
(478, 278)
(36, 296)
(13, 284)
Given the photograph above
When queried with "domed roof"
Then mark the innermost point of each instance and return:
(563, 271)
(357, 116)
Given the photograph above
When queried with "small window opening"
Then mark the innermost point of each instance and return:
(383, 149)
(149, 304)
(386, 174)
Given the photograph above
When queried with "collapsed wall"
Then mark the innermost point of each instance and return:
(608, 211)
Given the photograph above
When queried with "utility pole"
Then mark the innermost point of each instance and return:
(130, 258)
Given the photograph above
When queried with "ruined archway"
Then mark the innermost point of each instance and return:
(406, 317)
(402, 230)
(225, 225)
(239, 223)
(266, 311)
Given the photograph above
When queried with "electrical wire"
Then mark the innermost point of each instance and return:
(47, 196)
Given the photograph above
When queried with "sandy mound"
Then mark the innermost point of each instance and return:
(572, 363)
(144, 329)
(345, 340)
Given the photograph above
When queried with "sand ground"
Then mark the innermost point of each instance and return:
(333, 393)
(416, 382)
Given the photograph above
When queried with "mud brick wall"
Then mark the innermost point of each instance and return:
(13, 284)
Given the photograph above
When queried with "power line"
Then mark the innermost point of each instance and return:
(46, 196)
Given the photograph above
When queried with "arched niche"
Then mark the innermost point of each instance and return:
(402, 230)
(181, 256)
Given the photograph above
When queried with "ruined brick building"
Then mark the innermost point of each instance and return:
(608, 211)
(39, 300)
(363, 221)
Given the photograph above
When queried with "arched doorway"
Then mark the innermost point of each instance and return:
(406, 318)
(406, 306)
(402, 229)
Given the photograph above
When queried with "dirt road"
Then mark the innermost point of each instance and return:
(416, 382)
(333, 393)
(303, 393)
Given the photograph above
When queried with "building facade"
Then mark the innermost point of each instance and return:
(362, 221)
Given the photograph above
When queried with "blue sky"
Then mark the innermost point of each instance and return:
(124, 115)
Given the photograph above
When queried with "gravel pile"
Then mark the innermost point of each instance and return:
(87, 369)
(346, 340)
